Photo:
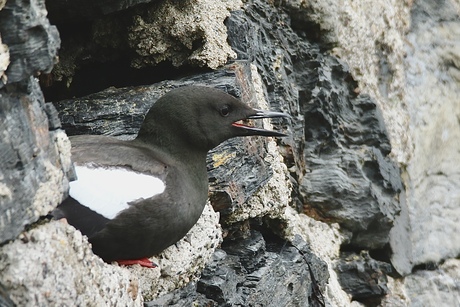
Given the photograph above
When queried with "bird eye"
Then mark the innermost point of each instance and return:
(225, 110)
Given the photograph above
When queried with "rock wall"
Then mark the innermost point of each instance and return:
(432, 175)
(358, 206)
(35, 152)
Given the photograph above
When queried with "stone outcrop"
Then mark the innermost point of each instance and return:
(32, 42)
(35, 152)
(181, 33)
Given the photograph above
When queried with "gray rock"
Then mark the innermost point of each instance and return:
(429, 285)
(32, 42)
(52, 264)
(246, 269)
(186, 33)
(364, 278)
(34, 160)
(35, 157)
(424, 232)
(405, 56)
(369, 37)
(439, 286)
(338, 150)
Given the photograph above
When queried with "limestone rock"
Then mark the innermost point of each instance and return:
(324, 241)
(54, 264)
(369, 37)
(423, 233)
(35, 155)
(184, 31)
(431, 285)
(406, 74)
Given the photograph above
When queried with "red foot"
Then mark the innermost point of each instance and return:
(145, 262)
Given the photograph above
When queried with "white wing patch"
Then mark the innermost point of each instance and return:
(109, 190)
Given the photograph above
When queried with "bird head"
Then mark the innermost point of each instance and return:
(204, 117)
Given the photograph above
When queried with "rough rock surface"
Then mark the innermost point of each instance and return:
(54, 264)
(244, 270)
(431, 286)
(191, 31)
(37, 271)
(32, 42)
(316, 234)
(338, 150)
(33, 165)
(369, 37)
(364, 278)
(177, 32)
(424, 232)
(34, 158)
(4, 61)
(413, 78)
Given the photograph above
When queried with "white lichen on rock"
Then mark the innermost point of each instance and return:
(4, 62)
(53, 264)
(47, 196)
(273, 197)
(185, 31)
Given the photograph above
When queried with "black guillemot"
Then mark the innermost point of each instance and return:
(135, 198)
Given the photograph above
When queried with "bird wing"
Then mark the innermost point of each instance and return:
(111, 174)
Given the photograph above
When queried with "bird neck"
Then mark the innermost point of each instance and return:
(173, 146)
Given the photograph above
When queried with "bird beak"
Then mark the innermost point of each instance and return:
(249, 130)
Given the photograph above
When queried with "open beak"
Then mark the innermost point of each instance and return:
(249, 130)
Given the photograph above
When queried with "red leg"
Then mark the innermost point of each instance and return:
(145, 262)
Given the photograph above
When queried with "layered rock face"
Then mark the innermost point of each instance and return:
(359, 205)
(35, 152)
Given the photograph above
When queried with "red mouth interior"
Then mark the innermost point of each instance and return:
(240, 124)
